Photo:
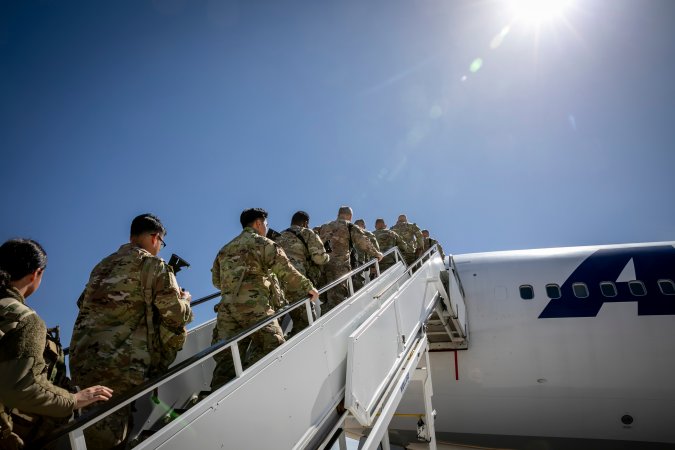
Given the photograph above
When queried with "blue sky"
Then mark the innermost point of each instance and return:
(195, 110)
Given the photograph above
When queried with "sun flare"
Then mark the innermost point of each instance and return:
(537, 11)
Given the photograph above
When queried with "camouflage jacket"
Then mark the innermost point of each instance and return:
(305, 252)
(411, 234)
(361, 256)
(429, 242)
(249, 268)
(388, 239)
(112, 331)
(339, 232)
(23, 379)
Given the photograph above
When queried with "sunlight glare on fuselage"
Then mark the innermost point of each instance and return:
(537, 11)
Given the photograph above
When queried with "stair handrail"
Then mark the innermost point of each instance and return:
(115, 404)
(409, 271)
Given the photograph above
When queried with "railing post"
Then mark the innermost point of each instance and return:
(236, 358)
(385, 441)
(343, 441)
(350, 286)
(308, 309)
(76, 438)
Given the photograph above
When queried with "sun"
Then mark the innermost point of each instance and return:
(538, 11)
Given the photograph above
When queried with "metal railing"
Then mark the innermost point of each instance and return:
(75, 428)
(410, 270)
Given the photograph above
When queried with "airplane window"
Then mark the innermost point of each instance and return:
(580, 290)
(637, 288)
(667, 287)
(526, 292)
(553, 291)
(608, 289)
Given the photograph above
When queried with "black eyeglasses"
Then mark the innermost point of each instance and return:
(161, 240)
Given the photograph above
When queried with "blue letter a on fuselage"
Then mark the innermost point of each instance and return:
(650, 265)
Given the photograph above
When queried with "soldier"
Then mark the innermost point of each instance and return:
(28, 367)
(429, 242)
(388, 239)
(131, 324)
(307, 253)
(362, 258)
(248, 270)
(343, 235)
(412, 235)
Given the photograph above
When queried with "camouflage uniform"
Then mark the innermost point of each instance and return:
(412, 235)
(389, 239)
(306, 255)
(362, 258)
(130, 326)
(24, 378)
(429, 242)
(340, 232)
(248, 270)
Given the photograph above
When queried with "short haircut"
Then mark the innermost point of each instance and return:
(379, 220)
(248, 216)
(146, 223)
(425, 231)
(344, 211)
(18, 258)
(402, 218)
(360, 221)
(299, 218)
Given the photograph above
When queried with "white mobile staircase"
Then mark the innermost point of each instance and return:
(354, 362)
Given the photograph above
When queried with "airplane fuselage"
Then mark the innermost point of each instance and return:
(568, 343)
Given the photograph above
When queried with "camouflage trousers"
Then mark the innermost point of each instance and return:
(300, 321)
(387, 262)
(358, 280)
(337, 294)
(364, 277)
(410, 257)
(299, 314)
(112, 432)
(233, 318)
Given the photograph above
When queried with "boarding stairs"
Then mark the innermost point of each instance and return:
(353, 363)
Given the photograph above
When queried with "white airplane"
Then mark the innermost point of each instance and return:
(534, 349)
(567, 348)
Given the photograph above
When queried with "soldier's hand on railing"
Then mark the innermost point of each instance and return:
(92, 395)
(185, 295)
(313, 295)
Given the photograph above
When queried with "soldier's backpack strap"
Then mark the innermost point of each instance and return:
(353, 263)
(147, 288)
(160, 355)
(299, 236)
(12, 312)
(55, 359)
